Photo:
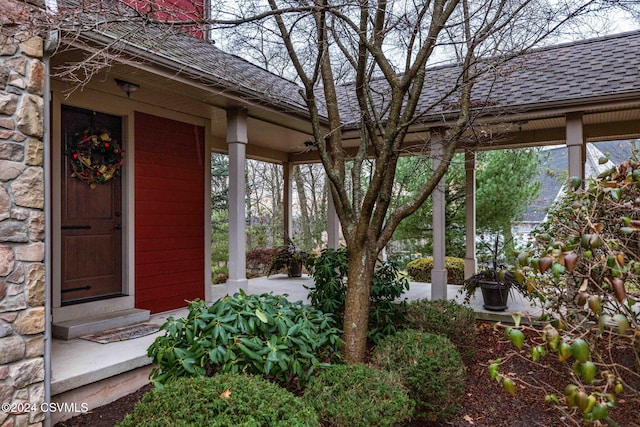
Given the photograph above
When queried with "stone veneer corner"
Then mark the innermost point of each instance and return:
(22, 229)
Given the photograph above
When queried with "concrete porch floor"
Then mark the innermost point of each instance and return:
(93, 374)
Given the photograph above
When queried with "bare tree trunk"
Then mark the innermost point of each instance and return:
(356, 313)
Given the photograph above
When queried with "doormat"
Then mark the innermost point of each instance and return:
(122, 334)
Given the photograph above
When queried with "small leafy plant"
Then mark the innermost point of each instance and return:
(359, 396)
(429, 366)
(288, 257)
(224, 400)
(265, 335)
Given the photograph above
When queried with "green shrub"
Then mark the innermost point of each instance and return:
(263, 334)
(329, 291)
(359, 396)
(429, 366)
(329, 284)
(445, 317)
(420, 270)
(222, 401)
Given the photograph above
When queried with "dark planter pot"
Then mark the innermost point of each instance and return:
(495, 295)
(295, 268)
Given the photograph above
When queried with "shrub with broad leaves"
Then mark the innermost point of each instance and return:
(260, 334)
(330, 287)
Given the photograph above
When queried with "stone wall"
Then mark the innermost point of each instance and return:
(22, 272)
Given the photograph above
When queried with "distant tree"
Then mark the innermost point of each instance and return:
(505, 185)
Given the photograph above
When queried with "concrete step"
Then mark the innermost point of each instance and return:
(90, 325)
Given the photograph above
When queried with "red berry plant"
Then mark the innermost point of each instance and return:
(584, 270)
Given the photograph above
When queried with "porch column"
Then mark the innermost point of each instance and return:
(287, 176)
(237, 141)
(333, 223)
(470, 261)
(575, 145)
(439, 271)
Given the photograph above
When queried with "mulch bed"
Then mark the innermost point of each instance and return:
(484, 403)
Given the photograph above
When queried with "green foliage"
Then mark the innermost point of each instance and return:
(420, 269)
(329, 291)
(359, 396)
(385, 313)
(330, 287)
(429, 366)
(584, 269)
(264, 335)
(222, 401)
(500, 197)
(444, 317)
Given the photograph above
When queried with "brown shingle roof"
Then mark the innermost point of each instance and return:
(573, 72)
(569, 73)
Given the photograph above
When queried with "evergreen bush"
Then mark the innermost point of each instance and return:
(359, 396)
(429, 366)
(420, 270)
(445, 317)
(221, 401)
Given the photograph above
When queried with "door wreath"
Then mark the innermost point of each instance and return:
(95, 157)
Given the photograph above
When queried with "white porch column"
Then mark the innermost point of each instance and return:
(333, 223)
(575, 145)
(470, 260)
(237, 141)
(287, 200)
(439, 271)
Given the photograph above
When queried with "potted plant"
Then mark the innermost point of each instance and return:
(291, 258)
(495, 281)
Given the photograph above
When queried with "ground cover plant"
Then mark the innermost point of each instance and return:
(261, 334)
(221, 401)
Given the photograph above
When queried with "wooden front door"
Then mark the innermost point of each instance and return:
(91, 219)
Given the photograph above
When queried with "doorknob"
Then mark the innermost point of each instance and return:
(118, 227)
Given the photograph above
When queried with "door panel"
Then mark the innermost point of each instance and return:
(91, 220)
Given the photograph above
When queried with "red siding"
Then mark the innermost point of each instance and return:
(169, 186)
(181, 11)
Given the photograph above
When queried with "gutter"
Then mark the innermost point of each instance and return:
(533, 111)
(51, 43)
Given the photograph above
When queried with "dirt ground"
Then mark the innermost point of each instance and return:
(484, 403)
